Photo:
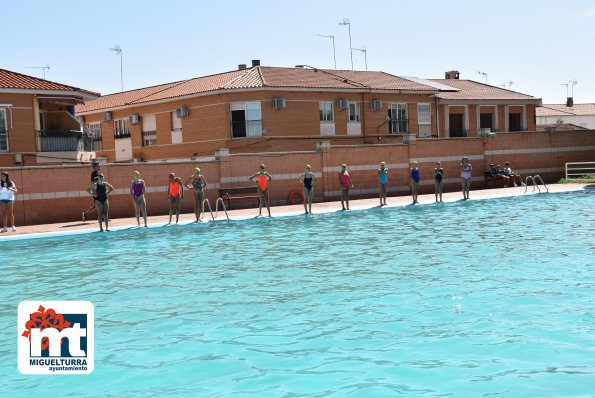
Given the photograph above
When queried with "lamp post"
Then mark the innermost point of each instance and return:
(334, 52)
(365, 55)
(118, 51)
(348, 23)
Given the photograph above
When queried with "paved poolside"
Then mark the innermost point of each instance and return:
(324, 207)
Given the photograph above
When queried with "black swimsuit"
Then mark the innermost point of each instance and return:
(439, 174)
(100, 193)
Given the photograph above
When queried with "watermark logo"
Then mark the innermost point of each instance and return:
(56, 337)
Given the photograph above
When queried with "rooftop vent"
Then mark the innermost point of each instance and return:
(255, 62)
(241, 66)
(452, 74)
(570, 102)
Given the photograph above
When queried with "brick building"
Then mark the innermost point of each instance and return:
(264, 109)
(37, 122)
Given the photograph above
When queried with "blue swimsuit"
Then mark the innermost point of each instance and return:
(383, 177)
(415, 175)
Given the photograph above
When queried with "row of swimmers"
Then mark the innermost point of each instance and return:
(100, 189)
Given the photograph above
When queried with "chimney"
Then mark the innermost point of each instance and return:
(569, 102)
(452, 74)
(255, 62)
(241, 66)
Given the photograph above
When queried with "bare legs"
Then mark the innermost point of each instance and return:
(308, 197)
(345, 198)
(102, 214)
(140, 206)
(382, 194)
(438, 190)
(174, 205)
(264, 198)
(466, 185)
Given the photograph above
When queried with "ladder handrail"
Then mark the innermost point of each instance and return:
(210, 209)
(527, 184)
(543, 183)
(223, 207)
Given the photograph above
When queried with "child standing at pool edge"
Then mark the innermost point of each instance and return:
(308, 178)
(415, 176)
(438, 177)
(137, 191)
(345, 181)
(262, 177)
(382, 179)
(466, 170)
(100, 189)
(198, 185)
(175, 193)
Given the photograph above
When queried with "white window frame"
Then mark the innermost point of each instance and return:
(149, 130)
(4, 137)
(424, 119)
(395, 107)
(324, 112)
(95, 129)
(353, 112)
(122, 128)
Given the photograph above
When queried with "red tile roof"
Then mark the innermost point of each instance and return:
(472, 90)
(16, 81)
(563, 110)
(261, 76)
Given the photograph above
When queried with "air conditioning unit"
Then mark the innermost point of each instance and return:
(279, 103)
(107, 116)
(182, 112)
(342, 103)
(484, 132)
(133, 119)
(376, 104)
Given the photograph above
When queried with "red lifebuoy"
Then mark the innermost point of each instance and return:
(293, 195)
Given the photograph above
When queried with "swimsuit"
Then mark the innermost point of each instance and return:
(439, 174)
(262, 182)
(6, 195)
(415, 175)
(174, 189)
(308, 183)
(383, 177)
(137, 189)
(197, 184)
(100, 193)
(345, 180)
(466, 172)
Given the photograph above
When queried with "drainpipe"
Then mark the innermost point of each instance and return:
(36, 124)
(437, 117)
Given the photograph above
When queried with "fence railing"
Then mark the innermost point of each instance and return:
(578, 170)
(68, 142)
(246, 128)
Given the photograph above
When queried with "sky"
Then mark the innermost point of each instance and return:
(536, 45)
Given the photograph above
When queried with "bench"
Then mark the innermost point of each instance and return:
(229, 194)
(490, 178)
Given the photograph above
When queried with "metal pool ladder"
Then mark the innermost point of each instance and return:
(535, 184)
(213, 217)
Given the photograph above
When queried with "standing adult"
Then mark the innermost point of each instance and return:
(438, 181)
(415, 177)
(382, 180)
(466, 171)
(199, 183)
(100, 189)
(262, 178)
(346, 184)
(175, 193)
(137, 191)
(96, 171)
(308, 178)
(8, 189)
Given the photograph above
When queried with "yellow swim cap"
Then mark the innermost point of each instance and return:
(137, 173)
(308, 166)
(343, 165)
(382, 163)
(196, 170)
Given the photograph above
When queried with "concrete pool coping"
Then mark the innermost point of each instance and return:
(79, 227)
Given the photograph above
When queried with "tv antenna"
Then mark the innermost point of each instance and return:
(43, 68)
(507, 83)
(332, 37)
(571, 84)
(485, 75)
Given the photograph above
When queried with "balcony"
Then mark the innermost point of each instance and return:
(68, 141)
(246, 128)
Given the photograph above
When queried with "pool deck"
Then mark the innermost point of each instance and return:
(323, 207)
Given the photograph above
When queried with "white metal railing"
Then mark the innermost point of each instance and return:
(535, 184)
(214, 216)
(579, 169)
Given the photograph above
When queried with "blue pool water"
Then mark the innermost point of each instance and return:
(466, 299)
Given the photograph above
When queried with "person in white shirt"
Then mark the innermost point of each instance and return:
(7, 191)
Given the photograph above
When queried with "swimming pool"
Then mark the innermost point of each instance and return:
(462, 299)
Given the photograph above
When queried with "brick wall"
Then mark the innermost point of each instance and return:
(56, 193)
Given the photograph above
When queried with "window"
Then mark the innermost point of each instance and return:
(353, 115)
(95, 135)
(3, 132)
(246, 119)
(121, 128)
(326, 112)
(149, 130)
(398, 118)
(514, 122)
(424, 114)
(485, 120)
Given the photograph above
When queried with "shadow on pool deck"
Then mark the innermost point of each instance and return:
(322, 207)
